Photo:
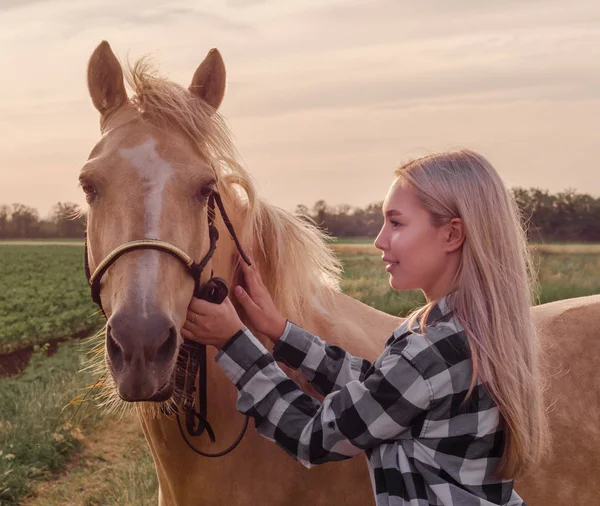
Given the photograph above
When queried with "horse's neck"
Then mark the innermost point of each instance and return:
(348, 323)
(352, 325)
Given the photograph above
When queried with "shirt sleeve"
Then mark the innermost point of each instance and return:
(327, 367)
(358, 416)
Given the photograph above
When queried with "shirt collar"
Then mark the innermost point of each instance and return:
(440, 310)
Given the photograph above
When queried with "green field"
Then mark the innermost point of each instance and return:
(563, 272)
(43, 295)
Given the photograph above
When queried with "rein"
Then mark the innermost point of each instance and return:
(191, 361)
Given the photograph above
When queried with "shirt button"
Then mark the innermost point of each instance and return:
(331, 425)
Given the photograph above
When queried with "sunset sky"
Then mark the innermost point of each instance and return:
(324, 97)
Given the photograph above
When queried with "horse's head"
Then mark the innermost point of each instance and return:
(149, 177)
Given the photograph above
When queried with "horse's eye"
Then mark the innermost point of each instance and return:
(89, 190)
(206, 191)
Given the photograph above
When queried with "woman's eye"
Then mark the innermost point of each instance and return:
(394, 223)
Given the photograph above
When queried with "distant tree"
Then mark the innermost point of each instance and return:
(47, 229)
(69, 219)
(302, 209)
(24, 220)
(319, 211)
(5, 224)
(373, 219)
(565, 216)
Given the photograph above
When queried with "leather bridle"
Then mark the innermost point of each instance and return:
(191, 361)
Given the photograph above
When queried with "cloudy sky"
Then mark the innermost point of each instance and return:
(325, 97)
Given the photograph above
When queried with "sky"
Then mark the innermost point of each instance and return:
(325, 97)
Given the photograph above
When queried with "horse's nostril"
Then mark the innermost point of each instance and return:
(168, 348)
(115, 352)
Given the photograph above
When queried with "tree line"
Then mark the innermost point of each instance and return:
(18, 221)
(564, 216)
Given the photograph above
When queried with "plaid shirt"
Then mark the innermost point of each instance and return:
(405, 411)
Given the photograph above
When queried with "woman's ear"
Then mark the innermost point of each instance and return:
(454, 235)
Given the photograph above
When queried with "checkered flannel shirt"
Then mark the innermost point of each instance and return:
(405, 411)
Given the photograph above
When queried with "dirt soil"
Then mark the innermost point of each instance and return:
(15, 362)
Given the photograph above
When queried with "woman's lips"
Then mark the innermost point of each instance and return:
(390, 266)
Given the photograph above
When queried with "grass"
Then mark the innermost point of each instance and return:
(43, 295)
(43, 241)
(567, 275)
(351, 240)
(36, 437)
(366, 280)
(563, 271)
(110, 471)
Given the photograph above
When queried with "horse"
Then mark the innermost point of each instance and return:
(162, 153)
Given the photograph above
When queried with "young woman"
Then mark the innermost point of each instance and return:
(451, 412)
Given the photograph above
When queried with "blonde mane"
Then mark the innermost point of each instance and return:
(297, 266)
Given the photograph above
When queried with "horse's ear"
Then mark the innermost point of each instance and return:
(105, 80)
(209, 79)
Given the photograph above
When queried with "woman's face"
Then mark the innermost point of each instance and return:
(413, 249)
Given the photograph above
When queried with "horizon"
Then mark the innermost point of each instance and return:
(48, 215)
(321, 96)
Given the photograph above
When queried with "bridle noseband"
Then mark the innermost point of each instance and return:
(191, 361)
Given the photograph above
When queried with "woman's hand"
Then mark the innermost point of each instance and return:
(258, 304)
(209, 323)
(215, 324)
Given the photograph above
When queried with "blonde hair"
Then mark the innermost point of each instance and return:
(492, 295)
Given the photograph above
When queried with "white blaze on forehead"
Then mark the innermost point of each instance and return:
(154, 173)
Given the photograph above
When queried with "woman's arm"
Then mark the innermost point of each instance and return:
(327, 367)
(360, 415)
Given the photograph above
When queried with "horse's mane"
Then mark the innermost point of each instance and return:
(298, 266)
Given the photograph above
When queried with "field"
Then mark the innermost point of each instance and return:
(563, 272)
(44, 295)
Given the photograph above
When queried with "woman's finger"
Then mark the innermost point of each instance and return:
(191, 316)
(251, 271)
(249, 280)
(186, 334)
(201, 307)
(245, 300)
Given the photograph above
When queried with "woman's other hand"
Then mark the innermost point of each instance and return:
(258, 304)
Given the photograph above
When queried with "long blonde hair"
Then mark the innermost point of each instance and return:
(493, 293)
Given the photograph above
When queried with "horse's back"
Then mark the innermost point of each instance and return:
(570, 335)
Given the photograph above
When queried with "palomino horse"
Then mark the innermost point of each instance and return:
(161, 154)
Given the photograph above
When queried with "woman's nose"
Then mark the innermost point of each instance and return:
(380, 241)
